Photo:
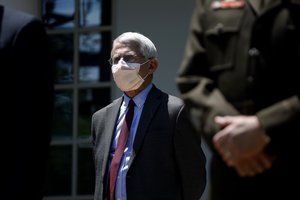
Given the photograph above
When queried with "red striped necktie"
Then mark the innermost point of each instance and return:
(122, 141)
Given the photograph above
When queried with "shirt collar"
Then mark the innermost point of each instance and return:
(140, 98)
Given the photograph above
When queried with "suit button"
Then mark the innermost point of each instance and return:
(250, 79)
(253, 52)
(219, 28)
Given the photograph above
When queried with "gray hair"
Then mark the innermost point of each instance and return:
(147, 48)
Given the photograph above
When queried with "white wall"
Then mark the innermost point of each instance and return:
(165, 22)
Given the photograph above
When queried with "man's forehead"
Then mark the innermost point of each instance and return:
(125, 48)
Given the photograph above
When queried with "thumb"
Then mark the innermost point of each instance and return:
(222, 121)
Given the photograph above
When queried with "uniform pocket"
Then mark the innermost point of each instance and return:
(220, 38)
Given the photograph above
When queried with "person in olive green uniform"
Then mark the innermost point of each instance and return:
(240, 81)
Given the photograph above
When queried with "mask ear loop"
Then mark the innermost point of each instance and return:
(148, 68)
(145, 76)
(145, 62)
(142, 78)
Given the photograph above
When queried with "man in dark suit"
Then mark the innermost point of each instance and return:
(163, 158)
(27, 99)
(240, 81)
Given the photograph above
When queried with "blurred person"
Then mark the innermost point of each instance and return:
(239, 79)
(163, 158)
(27, 103)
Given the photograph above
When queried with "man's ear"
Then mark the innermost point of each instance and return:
(153, 65)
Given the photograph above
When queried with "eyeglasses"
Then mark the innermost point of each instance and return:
(127, 59)
(111, 62)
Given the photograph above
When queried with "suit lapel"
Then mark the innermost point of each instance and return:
(110, 121)
(151, 105)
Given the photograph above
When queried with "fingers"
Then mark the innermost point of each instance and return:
(223, 145)
(242, 136)
(254, 165)
(220, 140)
(244, 169)
(249, 167)
(240, 142)
(222, 121)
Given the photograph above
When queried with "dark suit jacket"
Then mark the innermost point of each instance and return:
(27, 103)
(167, 162)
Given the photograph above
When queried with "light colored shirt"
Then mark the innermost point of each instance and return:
(139, 100)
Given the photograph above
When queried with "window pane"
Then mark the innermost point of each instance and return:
(86, 171)
(58, 176)
(63, 115)
(94, 53)
(80, 48)
(58, 13)
(95, 13)
(62, 52)
(91, 100)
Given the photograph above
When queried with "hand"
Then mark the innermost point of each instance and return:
(251, 166)
(239, 137)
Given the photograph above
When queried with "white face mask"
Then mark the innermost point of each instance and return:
(126, 75)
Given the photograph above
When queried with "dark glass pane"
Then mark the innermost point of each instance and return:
(95, 13)
(90, 100)
(62, 51)
(86, 171)
(63, 115)
(58, 176)
(94, 53)
(58, 14)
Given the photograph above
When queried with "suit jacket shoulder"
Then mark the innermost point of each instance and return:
(16, 18)
(14, 22)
